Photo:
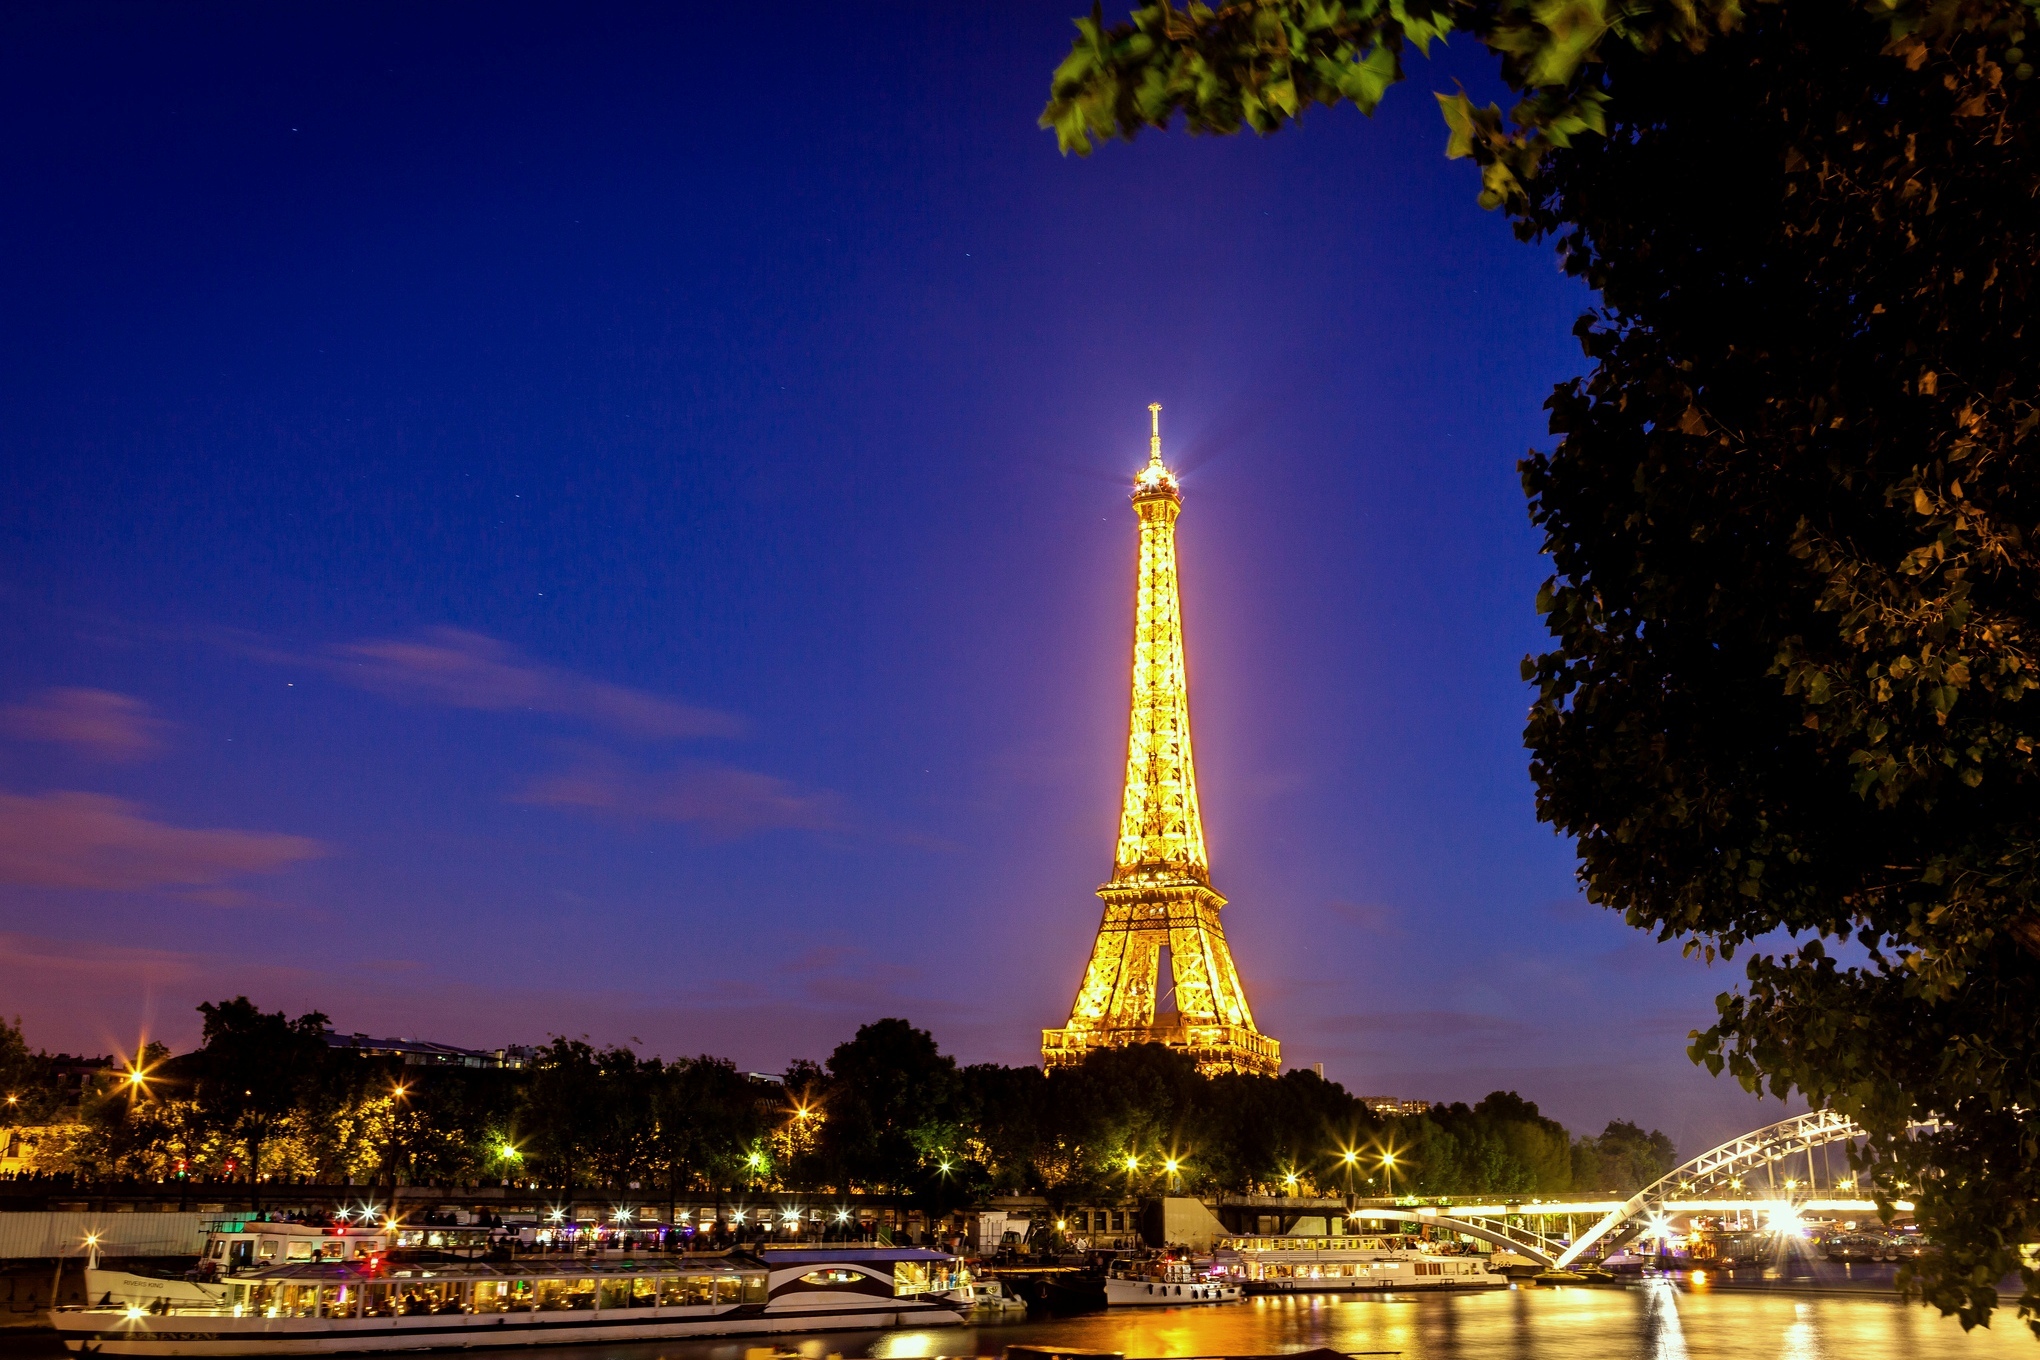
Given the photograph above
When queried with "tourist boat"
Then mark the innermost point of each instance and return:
(329, 1306)
(1164, 1283)
(1312, 1265)
(234, 1245)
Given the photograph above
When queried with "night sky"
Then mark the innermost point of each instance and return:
(613, 520)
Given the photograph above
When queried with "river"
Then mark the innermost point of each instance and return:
(1653, 1321)
(1646, 1321)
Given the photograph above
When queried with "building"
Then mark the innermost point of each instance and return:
(1394, 1108)
(1161, 971)
(421, 1053)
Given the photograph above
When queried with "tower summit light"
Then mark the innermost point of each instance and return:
(1160, 896)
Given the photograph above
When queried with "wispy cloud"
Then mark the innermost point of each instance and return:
(1370, 916)
(460, 669)
(723, 802)
(69, 839)
(97, 722)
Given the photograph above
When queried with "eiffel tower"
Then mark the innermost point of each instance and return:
(1160, 905)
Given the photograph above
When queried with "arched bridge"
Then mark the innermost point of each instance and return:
(1758, 1171)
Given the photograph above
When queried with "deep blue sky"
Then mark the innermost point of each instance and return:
(613, 520)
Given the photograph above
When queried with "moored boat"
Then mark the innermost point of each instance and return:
(984, 1300)
(333, 1306)
(1388, 1261)
(1166, 1283)
(232, 1245)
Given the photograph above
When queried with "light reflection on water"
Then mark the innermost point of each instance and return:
(1653, 1321)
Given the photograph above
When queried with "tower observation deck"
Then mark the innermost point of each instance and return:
(1160, 971)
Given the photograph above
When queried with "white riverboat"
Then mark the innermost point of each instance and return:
(1388, 1261)
(1167, 1284)
(324, 1307)
(234, 1245)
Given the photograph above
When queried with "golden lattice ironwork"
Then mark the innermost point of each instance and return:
(1160, 896)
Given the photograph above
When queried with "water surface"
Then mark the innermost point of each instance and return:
(1654, 1321)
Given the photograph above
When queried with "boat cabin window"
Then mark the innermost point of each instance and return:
(826, 1278)
(219, 1248)
(644, 1292)
(297, 1251)
(688, 1291)
(616, 1293)
(558, 1296)
(909, 1278)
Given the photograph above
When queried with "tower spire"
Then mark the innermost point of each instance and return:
(1159, 903)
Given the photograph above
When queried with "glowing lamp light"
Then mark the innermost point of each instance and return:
(556, 1216)
(1350, 1157)
(1132, 1162)
(1060, 1224)
(134, 1313)
(737, 1217)
(842, 1215)
(1169, 1164)
(1388, 1159)
(1785, 1219)
(620, 1216)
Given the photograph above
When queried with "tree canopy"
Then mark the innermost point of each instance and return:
(889, 1115)
(1790, 511)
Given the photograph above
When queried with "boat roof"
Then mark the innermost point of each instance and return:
(535, 1268)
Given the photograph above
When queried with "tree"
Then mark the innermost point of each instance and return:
(708, 1124)
(29, 1094)
(561, 1110)
(1623, 1159)
(252, 1069)
(893, 1101)
(1791, 514)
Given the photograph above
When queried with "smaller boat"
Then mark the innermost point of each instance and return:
(1584, 1275)
(984, 1300)
(1166, 1283)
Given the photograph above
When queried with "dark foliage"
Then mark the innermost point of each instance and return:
(1791, 514)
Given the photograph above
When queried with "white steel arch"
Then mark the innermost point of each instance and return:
(1724, 1169)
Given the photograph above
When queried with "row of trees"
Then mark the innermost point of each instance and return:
(267, 1098)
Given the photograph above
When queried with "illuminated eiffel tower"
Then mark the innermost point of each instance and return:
(1160, 904)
